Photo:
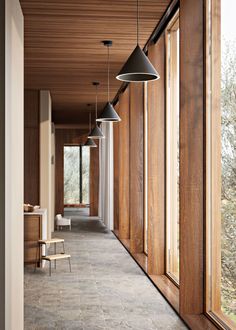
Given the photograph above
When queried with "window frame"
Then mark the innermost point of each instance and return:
(213, 167)
(171, 69)
(145, 168)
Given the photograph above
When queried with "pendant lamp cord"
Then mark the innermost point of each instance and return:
(137, 22)
(108, 74)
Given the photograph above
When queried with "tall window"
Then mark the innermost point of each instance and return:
(85, 174)
(172, 151)
(221, 161)
(76, 175)
(145, 169)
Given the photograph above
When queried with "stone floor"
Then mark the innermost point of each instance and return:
(106, 289)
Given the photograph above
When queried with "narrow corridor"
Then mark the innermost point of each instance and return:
(106, 289)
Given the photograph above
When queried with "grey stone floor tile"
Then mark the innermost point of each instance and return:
(105, 291)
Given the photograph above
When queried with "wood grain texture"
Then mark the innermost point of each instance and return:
(64, 137)
(32, 233)
(94, 180)
(136, 168)
(156, 162)
(123, 159)
(213, 158)
(191, 157)
(64, 53)
(168, 289)
(116, 172)
(31, 147)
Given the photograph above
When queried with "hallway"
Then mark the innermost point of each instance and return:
(87, 298)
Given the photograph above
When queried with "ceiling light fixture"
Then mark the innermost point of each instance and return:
(109, 114)
(138, 68)
(89, 142)
(96, 132)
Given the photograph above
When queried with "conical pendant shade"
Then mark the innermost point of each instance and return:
(96, 133)
(138, 68)
(90, 143)
(109, 114)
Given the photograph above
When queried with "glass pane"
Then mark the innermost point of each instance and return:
(85, 174)
(172, 152)
(72, 175)
(228, 158)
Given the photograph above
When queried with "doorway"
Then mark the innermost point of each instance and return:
(76, 179)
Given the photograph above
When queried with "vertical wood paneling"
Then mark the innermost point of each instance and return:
(116, 128)
(191, 156)
(136, 168)
(31, 147)
(94, 180)
(123, 159)
(156, 162)
(59, 173)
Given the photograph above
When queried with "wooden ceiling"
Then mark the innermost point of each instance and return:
(64, 53)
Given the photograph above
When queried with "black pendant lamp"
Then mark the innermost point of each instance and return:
(90, 143)
(138, 68)
(109, 114)
(96, 132)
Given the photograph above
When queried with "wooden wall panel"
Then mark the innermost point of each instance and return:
(123, 159)
(116, 128)
(156, 162)
(136, 167)
(191, 156)
(31, 147)
(94, 181)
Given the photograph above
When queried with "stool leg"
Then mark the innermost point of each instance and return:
(50, 268)
(69, 264)
(63, 247)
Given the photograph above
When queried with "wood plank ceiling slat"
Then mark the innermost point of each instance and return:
(64, 53)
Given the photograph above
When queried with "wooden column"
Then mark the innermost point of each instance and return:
(116, 128)
(59, 172)
(192, 157)
(94, 180)
(31, 147)
(156, 162)
(136, 167)
(123, 159)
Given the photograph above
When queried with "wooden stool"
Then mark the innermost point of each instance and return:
(54, 257)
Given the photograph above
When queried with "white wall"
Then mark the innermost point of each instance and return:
(14, 153)
(53, 177)
(106, 176)
(45, 157)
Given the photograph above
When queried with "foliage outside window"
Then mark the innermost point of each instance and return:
(222, 200)
(76, 175)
